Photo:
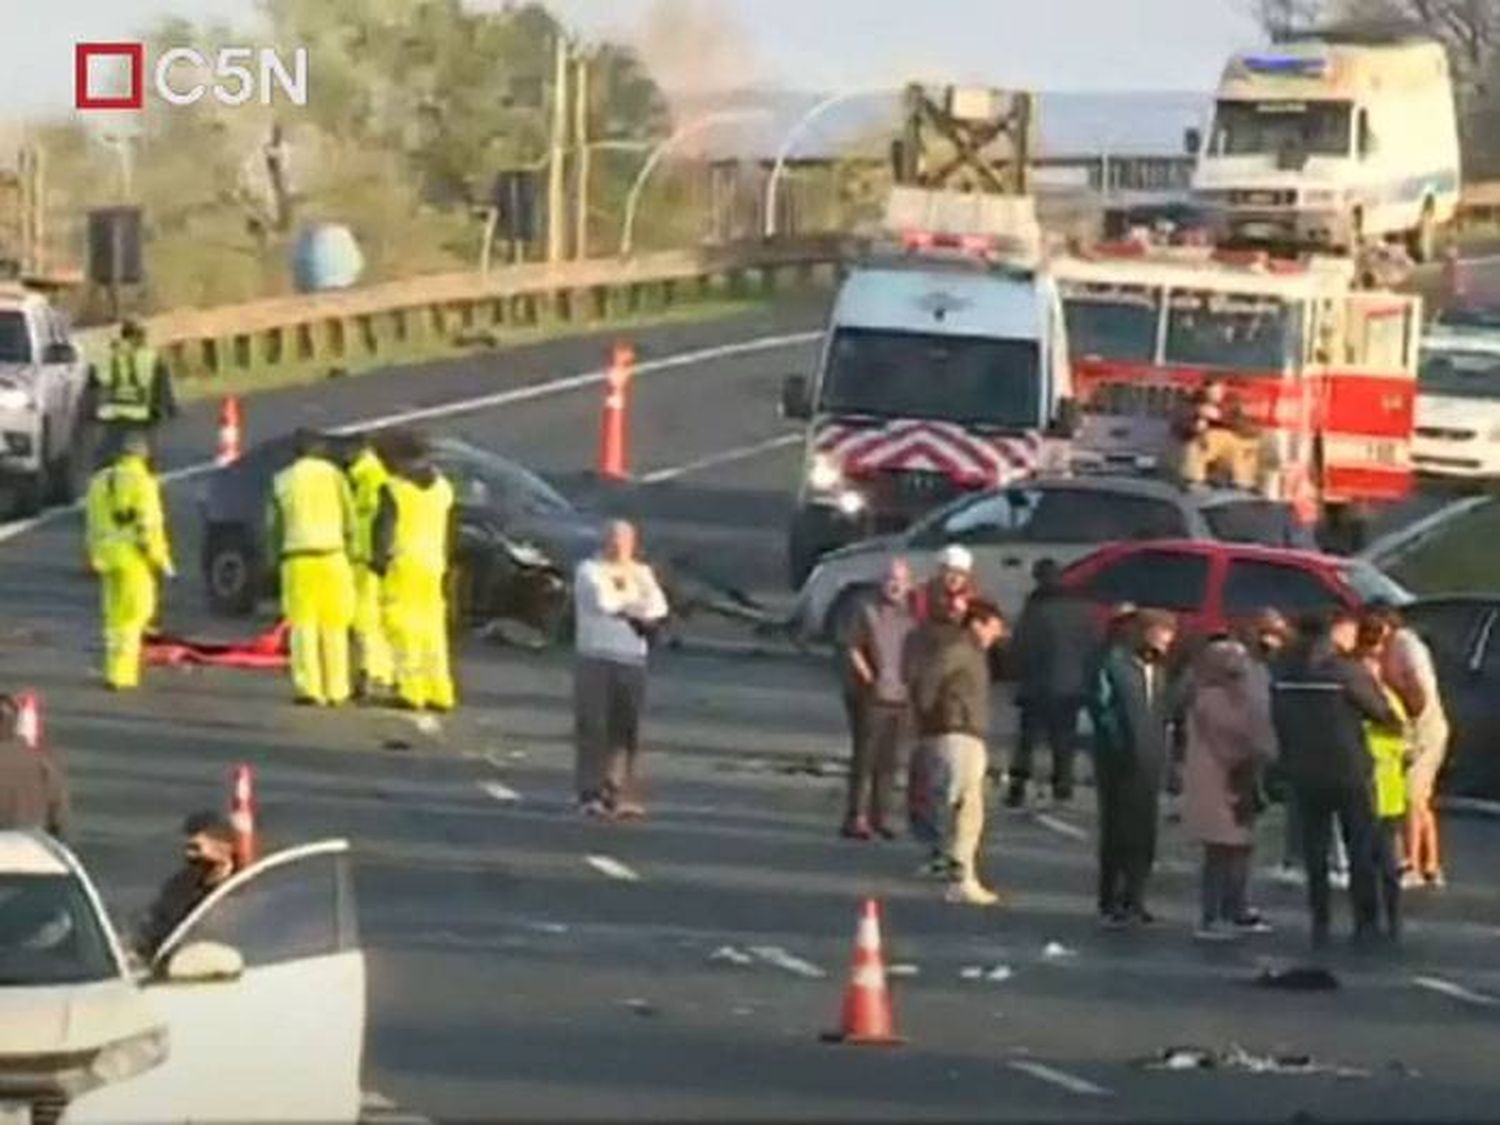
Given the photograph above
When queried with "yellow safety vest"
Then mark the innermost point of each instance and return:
(124, 516)
(368, 475)
(420, 537)
(1388, 748)
(129, 385)
(312, 498)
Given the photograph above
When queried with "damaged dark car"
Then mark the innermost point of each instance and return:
(519, 539)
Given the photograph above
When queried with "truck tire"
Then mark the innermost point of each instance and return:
(31, 489)
(230, 572)
(1421, 240)
(68, 473)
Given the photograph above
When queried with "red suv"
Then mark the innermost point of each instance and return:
(1212, 586)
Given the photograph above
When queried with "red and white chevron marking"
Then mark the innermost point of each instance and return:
(928, 446)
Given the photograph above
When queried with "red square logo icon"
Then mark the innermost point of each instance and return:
(134, 53)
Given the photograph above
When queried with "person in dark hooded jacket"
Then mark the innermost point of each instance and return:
(33, 787)
(1056, 645)
(412, 537)
(1321, 700)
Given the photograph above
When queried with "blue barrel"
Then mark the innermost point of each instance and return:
(326, 256)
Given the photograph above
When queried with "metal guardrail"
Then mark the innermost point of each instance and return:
(350, 325)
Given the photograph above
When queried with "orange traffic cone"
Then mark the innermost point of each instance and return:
(231, 436)
(242, 817)
(867, 1017)
(614, 455)
(29, 720)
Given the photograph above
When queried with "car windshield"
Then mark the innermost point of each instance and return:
(1270, 128)
(15, 342)
(975, 380)
(1460, 374)
(1112, 321)
(506, 482)
(1232, 331)
(1370, 584)
(1471, 316)
(49, 933)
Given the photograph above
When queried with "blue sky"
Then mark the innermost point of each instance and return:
(809, 44)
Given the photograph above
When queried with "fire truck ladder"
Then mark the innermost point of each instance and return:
(966, 139)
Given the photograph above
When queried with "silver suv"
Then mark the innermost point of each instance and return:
(43, 432)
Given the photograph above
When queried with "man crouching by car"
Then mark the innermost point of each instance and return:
(619, 605)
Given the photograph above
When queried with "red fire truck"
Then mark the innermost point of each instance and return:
(1325, 371)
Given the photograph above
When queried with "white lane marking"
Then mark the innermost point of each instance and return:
(1061, 827)
(1456, 991)
(781, 959)
(500, 791)
(608, 865)
(727, 457)
(1069, 1082)
(470, 405)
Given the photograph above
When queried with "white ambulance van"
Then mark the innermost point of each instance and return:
(1332, 142)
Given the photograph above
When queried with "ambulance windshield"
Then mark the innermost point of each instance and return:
(1232, 332)
(1267, 128)
(1115, 322)
(970, 379)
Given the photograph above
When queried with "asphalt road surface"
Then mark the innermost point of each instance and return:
(529, 965)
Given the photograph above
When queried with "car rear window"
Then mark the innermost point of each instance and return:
(15, 340)
(1172, 580)
(1081, 516)
(1264, 523)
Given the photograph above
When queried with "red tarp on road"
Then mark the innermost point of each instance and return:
(268, 650)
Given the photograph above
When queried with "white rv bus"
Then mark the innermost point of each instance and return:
(1331, 143)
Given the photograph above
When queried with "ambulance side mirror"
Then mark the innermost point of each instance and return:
(795, 404)
(1191, 140)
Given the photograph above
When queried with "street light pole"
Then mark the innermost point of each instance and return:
(556, 170)
(697, 125)
(584, 165)
(794, 134)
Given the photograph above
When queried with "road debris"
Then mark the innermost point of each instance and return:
(1236, 1057)
(731, 954)
(1298, 978)
(997, 974)
(1057, 951)
(640, 1007)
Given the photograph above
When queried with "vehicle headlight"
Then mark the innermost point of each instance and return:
(528, 554)
(117, 1061)
(850, 502)
(14, 398)
(824, 474)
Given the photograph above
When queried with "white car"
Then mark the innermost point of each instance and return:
(1458, 405)
(44, 456)
(1009, 530)
(252, 1010)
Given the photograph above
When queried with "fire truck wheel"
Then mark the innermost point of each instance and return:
(808, 541)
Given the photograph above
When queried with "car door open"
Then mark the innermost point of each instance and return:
(262, 989)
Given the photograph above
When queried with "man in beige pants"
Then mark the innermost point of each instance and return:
(950, 686)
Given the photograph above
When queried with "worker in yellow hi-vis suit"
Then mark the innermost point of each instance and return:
(368, 476)
(312, 529)
(128, 549)
(413, 533)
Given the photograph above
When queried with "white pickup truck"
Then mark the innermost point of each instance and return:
(44, 457)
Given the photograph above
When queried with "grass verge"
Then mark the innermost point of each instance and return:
(1463, 558)
(427, 350)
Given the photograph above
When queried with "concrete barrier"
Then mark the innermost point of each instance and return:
(360, 325)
